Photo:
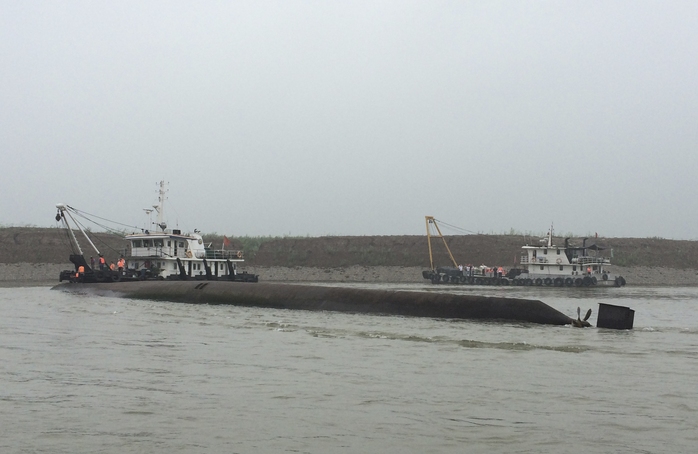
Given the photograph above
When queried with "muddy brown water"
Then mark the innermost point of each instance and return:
(101, 374)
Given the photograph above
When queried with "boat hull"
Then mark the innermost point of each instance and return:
(340, 299)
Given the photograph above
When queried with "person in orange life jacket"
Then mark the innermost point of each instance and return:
(589, 270)
(121, 264)
(102, 262)
(81, 273)
(111, 266)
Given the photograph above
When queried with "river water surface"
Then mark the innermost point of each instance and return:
(92, 374)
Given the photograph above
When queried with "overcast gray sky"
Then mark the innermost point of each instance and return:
(354, 117)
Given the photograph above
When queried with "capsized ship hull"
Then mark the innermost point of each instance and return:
(340, 299)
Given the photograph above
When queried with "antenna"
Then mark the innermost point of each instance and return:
(150, 220)
(160, 207)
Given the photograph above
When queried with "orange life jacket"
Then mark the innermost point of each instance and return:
(81, 269)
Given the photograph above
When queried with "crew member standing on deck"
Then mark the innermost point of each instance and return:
(92, 263)
(81, 274)
(102, 262)
(121, 264)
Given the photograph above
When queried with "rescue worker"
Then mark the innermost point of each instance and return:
(121, 264)
(92, 263)
(589, 270)
(102, 262)
(111, 266)
(80, 274)
(500, 272)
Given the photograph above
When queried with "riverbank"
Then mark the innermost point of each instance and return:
(32, 273)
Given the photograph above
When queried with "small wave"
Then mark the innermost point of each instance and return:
(523, 346)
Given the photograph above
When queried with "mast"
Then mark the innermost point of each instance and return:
(160, 207)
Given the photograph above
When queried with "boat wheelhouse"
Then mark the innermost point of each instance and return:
(552, 265)
(169, 253)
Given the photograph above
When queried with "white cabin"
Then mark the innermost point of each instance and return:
(163, 252)
(550, 264)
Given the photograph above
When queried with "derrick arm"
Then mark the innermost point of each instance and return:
(431, 220)
(64, 209)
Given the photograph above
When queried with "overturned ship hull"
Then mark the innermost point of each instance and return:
(340, 299)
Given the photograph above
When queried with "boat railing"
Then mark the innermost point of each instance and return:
(525, 259)
(148, 252)
(224, 254)
(593, 260)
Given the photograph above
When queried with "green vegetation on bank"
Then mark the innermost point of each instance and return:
(249, 244)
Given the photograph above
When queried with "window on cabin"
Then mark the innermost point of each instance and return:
(169, 244)
(542, 267)
(158, 243)
(137, 243)
(558, 252)
(545, 251)
(181, 244)
(146, 243)
(561, 267)
(574, 267)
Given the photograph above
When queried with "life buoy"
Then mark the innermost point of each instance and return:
(558, 261)
(239, 254)
(189, 254)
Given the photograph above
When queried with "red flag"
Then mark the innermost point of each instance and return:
(226, 241)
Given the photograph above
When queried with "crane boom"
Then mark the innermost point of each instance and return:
(430, 220)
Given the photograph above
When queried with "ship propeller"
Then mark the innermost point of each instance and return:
(579, 323)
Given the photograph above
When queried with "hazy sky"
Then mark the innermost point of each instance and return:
(354, 117)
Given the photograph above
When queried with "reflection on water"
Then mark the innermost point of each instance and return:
(90, 374)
